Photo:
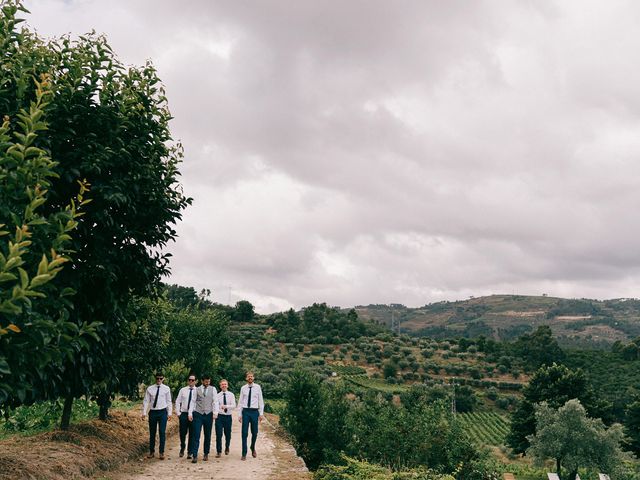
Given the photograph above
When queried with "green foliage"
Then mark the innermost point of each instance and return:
(303, 414)
(322, 323)
(390, 369)
(361, 470)
(43, 416)
(109, 124)
(538, 348)
(349, 370)
(573, 440)
(244, 311)
(175, 376)
(199, 339)
(632, 426)
(465, 398)
(146, 342)
(614, 378)
(556, 385)
(35, 334)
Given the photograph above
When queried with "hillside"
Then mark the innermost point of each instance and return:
(505, 317)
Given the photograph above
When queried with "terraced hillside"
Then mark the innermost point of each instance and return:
(505, 317)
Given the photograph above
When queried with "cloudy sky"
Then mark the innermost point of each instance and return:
(359, 152)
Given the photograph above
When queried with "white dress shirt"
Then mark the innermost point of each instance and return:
(164, 399)
(231, 402)
(256, 398)
(182, 400)
(206, 401)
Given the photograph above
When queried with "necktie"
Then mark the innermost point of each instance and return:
(205, 392)
(224, 398)
(189, 401)
(249, 401)
(155, 401)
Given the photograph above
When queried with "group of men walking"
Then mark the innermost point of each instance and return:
(199, 409)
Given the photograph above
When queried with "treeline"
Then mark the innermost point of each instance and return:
(321, 324)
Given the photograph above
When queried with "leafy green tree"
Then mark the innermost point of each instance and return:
(574, 440)
(538, 348)
(199, 339)
(35, 334)
(108, 124)
(632, 426)
(303, 415)
(147, 342)
(555, 384)
(244, 311)
(390, 369)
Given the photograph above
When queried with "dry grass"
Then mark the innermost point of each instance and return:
(87, 448)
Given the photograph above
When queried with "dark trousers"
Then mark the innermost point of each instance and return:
(223, 425)
(249, 417)
(186, 427)
(200, 421)
(157, 418)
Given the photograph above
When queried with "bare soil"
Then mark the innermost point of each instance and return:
(86, 449)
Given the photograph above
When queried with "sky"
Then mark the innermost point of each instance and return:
(355, 152)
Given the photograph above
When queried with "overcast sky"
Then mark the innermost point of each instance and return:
(358, 152)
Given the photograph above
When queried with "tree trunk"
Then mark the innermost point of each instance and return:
(104, 402)
(66, 412)
(558, 468)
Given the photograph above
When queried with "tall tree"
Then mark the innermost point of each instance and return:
(538, 348)
(108, 124)
(302, 415)
(574, 441)
(34, 244)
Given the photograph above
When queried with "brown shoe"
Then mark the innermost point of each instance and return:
(151, 455)
(161, 456)
(218, 455)
(254, 454)
(205, 458)
(243, 457)
(226, 451)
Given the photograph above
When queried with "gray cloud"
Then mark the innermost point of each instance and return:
(357, 152)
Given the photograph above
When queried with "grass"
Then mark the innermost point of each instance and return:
(45, 416)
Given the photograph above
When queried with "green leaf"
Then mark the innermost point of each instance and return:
(24, 277)
(5, 277)
(40, 280)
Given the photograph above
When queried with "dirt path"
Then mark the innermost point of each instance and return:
(276, 460)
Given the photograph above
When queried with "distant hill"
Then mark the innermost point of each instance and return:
(577, 322)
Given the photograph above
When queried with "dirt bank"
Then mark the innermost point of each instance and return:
(85, 450)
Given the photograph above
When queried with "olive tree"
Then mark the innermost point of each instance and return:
(574, 440)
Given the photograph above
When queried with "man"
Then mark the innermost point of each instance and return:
(185, 403)
(226, 403)
(206, 410)
(159, 397)
(250, 412)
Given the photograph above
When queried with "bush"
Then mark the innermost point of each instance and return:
(361, 470)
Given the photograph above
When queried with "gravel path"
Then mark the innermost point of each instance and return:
(276, 460)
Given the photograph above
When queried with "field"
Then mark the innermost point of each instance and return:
(486, 428)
